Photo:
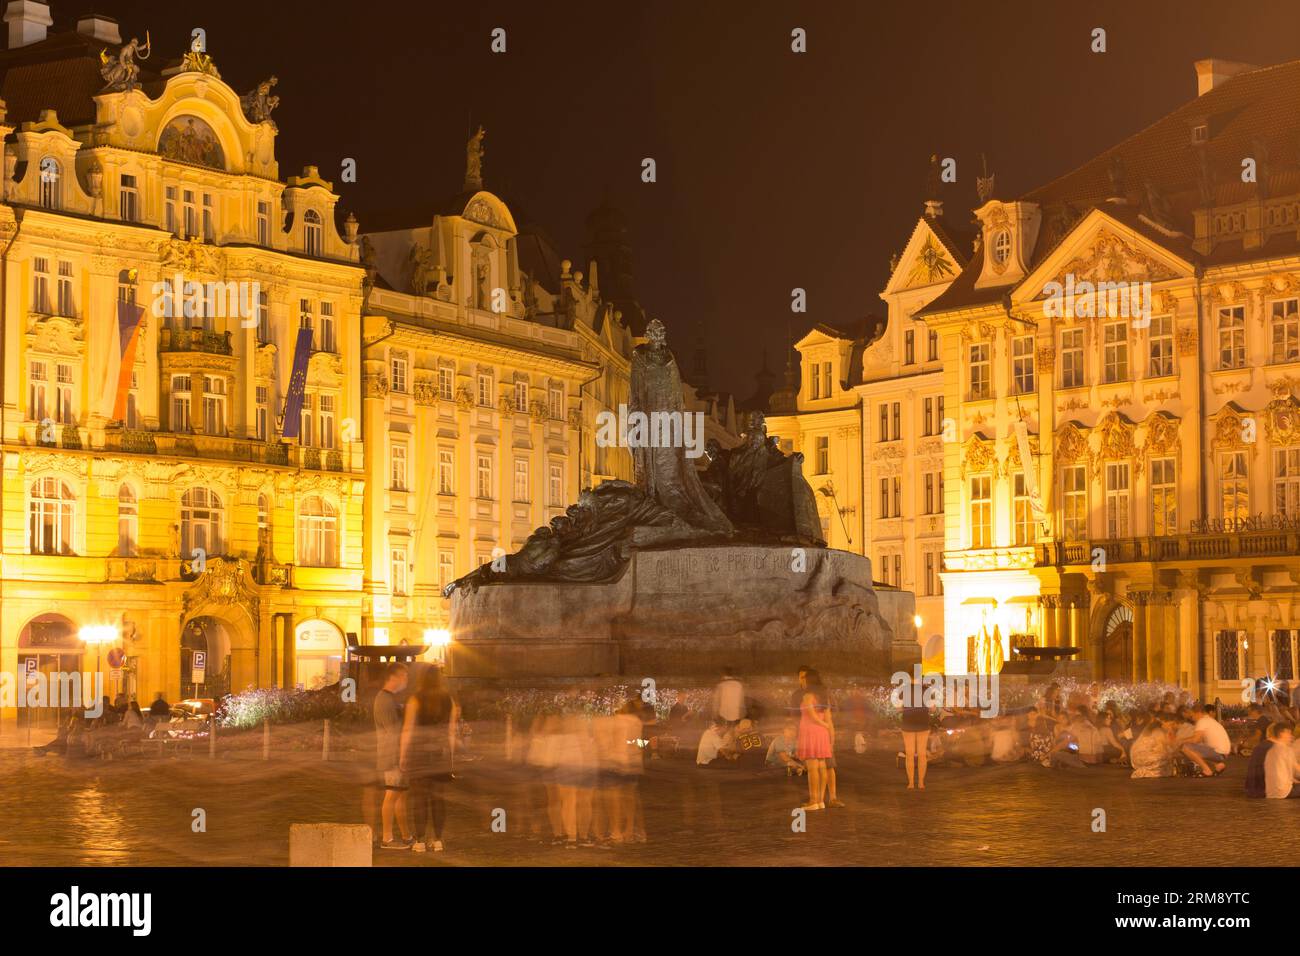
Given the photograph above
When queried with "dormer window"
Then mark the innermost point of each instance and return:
(313, 234)
(50, 173)
(1200, 134)
(1001, 246)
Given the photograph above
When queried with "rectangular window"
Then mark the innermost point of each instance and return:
(521, 399)
(981, 511)
(1022, 364)
(815, 385)
(1072, 358)
(823, 457)
(305, 432)
(214, 405)
(1074, 502)
(981, 386)
(909, 347)
(129, 200)
(326, 336)
(1115, 352)
(896, 489)
(884, 498)
(181, 398)
(1286, 482)
(41, 285)
(884, 568)
(169, 210)
(933, 348)
(1286, 331)
(325, 406)
(307, 319)
(263, 318)
(930, 487)
(446, 471)
(521, 479)
(446, 382)
(555, 402)
(928, 418)
(209, 220)
(898, 570)
(398, 366)
(446, 568)
(929, 574)
(1161, 339)
(882, 432)
(555, 486)
(897, 412)
(1232, 337)
(63, 410)
(190, 214)
(67, 308)
(1284, 653)
(397, 467)
(1117, 499)
(485, 389)
(263, 223)
(1234, 491)
(262, 394)
(1164, 497)
(1228, 655)
(1023, 514)
(485, 476)
(826, 380)
(400, 568)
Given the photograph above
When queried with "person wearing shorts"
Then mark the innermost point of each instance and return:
(388, 738)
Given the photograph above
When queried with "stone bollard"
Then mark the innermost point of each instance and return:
(212, 735)
(510, 739)
(266, 740)
(325, 745)
(330, 844)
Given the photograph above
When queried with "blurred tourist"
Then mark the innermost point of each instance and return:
(388, 738)
(783, 751)
(814, 747)
(427, 749)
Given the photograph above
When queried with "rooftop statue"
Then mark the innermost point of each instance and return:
(259, 103)
(474, 161)
(120, 72)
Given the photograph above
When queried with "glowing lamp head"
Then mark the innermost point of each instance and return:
(917, 621)
(437, 636)
(98, 634)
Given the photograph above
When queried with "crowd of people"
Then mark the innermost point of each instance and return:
(119, 723)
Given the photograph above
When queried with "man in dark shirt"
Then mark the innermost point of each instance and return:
(388, 735)
(159, 707)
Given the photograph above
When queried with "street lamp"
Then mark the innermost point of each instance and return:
(98, 635)
(438, 638)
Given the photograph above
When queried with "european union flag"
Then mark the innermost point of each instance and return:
(297, 385)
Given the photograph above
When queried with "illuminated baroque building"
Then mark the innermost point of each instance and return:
(1164, 538)
(114, 503)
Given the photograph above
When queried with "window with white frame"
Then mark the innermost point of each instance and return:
(1232, 337)
(815, 383)
(1164, 497)
(181, 398)
(931, 577)
(397, 467)
(1286, 481)
(1234, 489)
(446, 471)
(400, 567)
(263, 223)
(64, 389)
(555, 402)
(209, 220)
(50, 513)
(128, 521)
(189, 214)
(1286, 330)
(398, 369)
(1001, 246)
(822, 458)
(1022, 512)
(307, 318)
(1022, 364)
(1117, 499)
(50, 173)
(521, 479)
(485, 476)
(41, 285)
(1160, 339)
(325, 425)
(1115, 352)
(318, 533)
(313, 233)
(981, 385)
(306, 431)
(170, 217)
(933, 347)
(214, 405)
(521, 396)
(326, 336)
(555, 486)
(909, 347)
(38, 383)
(827, 390)
(930, 496)
(263, 318)
(1074, 502)
(201, 522)
(446, 568)
(485, 389)
(128, 206)
(446, 382)
(262, 398)
(66, 303)
(981, 511)
(927, 419)
(1071, 358)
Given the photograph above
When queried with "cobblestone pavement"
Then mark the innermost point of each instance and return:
(138, 811)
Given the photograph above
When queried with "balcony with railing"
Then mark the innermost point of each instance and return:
(1264, 536)
(195, 340)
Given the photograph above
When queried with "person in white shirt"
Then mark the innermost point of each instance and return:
(1208, 745)
(1280, 765)
(715, 745)
(729, 698)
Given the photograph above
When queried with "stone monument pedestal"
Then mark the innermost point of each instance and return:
(686, 612)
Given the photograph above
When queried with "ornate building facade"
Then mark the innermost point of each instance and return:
(157, 274)
(1122, 366)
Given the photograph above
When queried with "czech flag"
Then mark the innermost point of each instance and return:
(125, 336)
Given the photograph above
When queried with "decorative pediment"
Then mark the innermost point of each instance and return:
(1071, 445)
(224, 582)
(1014, 462)
(325, 369)
(1162, 434)
(1229, 428)
(1282, 421)
(56, 335)
(978, 456)
(1112, 258)
(1116, 438)
(931, 264)
(189, 257)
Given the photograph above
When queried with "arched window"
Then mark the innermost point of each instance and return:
(50, 175)
(200, 522)
(313, 232)
(318, 533)
(128, 521)
(49, 516)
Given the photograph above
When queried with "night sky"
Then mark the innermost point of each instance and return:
(775, 169)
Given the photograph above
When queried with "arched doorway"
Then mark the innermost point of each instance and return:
(48, 645)
(1117, 644)
(211, 636)
(318, 654)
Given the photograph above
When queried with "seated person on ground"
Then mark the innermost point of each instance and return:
(717, 745)
(782, 751)
(1152, 754)
(1280, 770)
(1006, 741)
(1208, 745)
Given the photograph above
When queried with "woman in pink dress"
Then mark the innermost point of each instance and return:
(814, 745)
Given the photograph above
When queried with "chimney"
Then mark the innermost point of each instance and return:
(27, 21)
(1213, 73)
(99, 27)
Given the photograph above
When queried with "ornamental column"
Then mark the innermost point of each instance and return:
(1139, 634)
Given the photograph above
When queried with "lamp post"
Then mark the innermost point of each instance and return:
(99, 635)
